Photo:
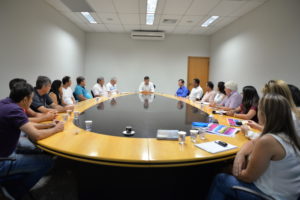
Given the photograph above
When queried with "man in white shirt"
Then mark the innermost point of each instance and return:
(99, 88)
(67, 97)
(146, 85)
(111, 86)
(197, 91)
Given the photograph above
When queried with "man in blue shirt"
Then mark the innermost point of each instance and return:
(80, 92)
(182, 90)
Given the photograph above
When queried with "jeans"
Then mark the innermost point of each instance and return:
(27, 168)
(221, 189)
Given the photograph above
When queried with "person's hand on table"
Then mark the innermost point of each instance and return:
(50, 116)
(230, 113)
(245, 128)
(59, 126)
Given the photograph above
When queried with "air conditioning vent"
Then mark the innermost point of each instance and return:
(147, 35)
(169, 21)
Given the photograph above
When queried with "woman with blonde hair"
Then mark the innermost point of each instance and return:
(271, 164)
(279, 87)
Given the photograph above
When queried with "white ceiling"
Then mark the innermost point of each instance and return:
(128, 15)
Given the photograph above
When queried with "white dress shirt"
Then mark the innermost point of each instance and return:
(111, 88)
(68, 96)
(99, 90)
(148, 88)
(196, 93)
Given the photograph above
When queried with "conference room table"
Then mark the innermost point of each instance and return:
(112, 149)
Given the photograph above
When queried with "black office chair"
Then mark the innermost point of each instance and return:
(10, 178)
(92, 93)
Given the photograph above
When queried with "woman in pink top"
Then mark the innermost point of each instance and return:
(210, 93)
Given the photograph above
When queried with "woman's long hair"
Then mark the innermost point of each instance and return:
(276, 114)
(55, 89)
(281, 87)
(250, 97)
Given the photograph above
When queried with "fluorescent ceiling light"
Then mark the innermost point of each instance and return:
(89, 17)
(209, 21)
(151, 8)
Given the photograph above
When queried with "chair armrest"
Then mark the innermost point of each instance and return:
(7, 159)
(250, 191)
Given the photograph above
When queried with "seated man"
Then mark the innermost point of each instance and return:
(111, 86)
(27, 168)
(80, 93)
(41, 101)
(32, 115)
(197, 91)
(67, 96)
(233, 99)
(99, 88)
(146, 86)
(182, 90)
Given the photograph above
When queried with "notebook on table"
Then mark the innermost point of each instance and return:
(222, 130)
(213, 147)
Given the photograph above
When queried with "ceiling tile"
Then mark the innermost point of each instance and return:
(189, 20)
(75, 17)
(115, 28)
(103, 6)
(128, 6)
(109, 18)
(247, 8)
(176, 7)
(130, 18)
(99, 27)
(130, 28)
(225, 8)
(182, 29)
(149, 28)
(167, 29)
(202, 7)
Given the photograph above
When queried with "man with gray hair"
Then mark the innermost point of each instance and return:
(99, 88)
(233, 99)
(112, 86)
(41, 101)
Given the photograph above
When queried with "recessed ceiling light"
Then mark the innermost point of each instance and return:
(209, 21)
(89, 17)
(151, 8)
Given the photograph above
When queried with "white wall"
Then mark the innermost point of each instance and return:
(36, 40)
(130, 60)
(262, 45)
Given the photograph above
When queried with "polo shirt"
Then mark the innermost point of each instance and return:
(12, 117)
(80, 90)
(39, 101)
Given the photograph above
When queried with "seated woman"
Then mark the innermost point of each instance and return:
(220, 94)
(56, 94)
(248, 108)
(210, 94)
(278, 87)
(271, 163)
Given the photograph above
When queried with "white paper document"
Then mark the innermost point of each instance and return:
(213, 147)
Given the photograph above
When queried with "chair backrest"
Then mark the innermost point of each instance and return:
(92, 93)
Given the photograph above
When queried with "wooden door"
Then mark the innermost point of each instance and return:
(198, 67)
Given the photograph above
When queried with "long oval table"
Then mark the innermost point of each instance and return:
(78, 144)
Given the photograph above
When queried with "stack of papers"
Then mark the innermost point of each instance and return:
(213, 147)
(222, 130)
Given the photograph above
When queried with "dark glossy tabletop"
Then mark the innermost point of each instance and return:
(145, 113)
